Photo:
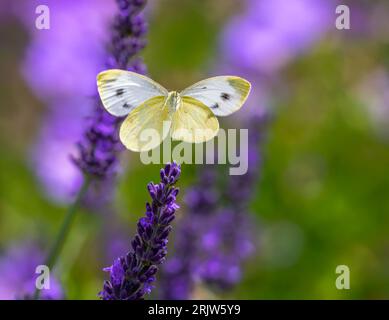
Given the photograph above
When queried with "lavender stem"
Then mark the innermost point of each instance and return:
(60, 239)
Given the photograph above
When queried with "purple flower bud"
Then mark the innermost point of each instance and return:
(160, 189)
(167, 169)
(152, 190)
(165, 233)
(135, 243)
(175, 191)
(168, 220)
(149, 232)
(167, 213)
(162, 174)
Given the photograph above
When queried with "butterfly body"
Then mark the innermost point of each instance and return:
(173, 101)
(153, 112)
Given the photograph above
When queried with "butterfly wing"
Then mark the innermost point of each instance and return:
(223, 95)
(146, 126)
(193, 122)
(122, 91)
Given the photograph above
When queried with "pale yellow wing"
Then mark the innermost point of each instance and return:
(146, 126)
(193, 122)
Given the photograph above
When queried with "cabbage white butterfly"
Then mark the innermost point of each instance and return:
(149, 105)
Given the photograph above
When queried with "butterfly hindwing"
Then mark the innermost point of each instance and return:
(223, 95)
(122, 91)
(193, 122)
(146, 126)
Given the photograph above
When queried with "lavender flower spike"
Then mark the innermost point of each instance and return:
(132, 275)
(100, 145)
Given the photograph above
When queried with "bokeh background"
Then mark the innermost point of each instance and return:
(321, 192)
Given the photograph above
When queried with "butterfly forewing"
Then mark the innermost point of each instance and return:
(122, 91)
(223, 95)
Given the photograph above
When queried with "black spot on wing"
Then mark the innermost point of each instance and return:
(204, 88)
(215, 106)
(126, 105)
(119, 92)
(225, 96)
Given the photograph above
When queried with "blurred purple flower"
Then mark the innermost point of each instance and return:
(59, 132)
(64, 60)
(60, 66)
(226, 243)
(209, 248)
(216, 230)
(17, 269)
(132, 275)
(299, 21)
(271, 32)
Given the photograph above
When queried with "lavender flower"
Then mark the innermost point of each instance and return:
(132, 275)
(98, 150)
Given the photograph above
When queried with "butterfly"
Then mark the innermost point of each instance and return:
(189, 115)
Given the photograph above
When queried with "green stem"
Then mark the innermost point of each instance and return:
(64, 231)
